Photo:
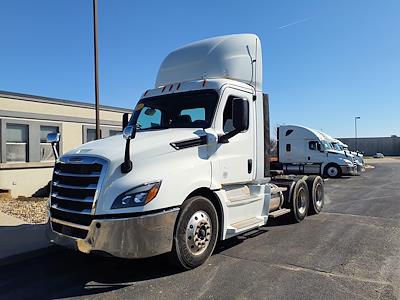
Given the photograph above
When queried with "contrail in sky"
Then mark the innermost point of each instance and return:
(294, 23)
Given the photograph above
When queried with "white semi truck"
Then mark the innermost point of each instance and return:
(302, 150)
(191, 168)
(357, 158)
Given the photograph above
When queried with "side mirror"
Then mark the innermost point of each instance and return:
(125, 120)
(129, 132)
(240, 119)
(54, 139)
(240, 114)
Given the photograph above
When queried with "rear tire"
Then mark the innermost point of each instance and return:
(315, 186)
(196, 233)
(332, 171)
(300, 201)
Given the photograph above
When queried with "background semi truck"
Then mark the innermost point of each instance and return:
(357, 158)
(191, 168)
(302, 150)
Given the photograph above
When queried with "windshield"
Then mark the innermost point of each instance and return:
(181, 110)
(326, 145)
(336, 146)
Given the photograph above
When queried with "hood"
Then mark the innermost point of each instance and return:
(145, 145)
(335, 151)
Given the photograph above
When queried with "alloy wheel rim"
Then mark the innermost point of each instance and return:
(318, 195)
(332, 171)
(198, 232)
(301, 201)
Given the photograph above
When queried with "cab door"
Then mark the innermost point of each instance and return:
(236, 157)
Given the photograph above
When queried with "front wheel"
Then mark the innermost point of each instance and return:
(333, 171)
(196, 233)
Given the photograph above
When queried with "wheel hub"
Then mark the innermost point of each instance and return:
(301, 202)
(198, 232)
(332, 171)
(318, 195)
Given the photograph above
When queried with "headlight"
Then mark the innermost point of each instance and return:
(348, 162)
(137, 196)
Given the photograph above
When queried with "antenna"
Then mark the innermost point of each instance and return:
(253, 71)
(255, 74)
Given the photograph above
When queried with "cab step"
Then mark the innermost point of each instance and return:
(244, 225)
(278, 213)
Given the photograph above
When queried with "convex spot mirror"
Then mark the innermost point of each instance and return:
(150, 112)
(240, 114)
(129, 132)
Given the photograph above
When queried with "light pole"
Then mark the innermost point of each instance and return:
(355, 131)
(96, 77)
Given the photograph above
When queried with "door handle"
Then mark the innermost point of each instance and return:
(249, 165)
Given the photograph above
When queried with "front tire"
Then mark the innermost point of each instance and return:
(195, 234)
(332, 171)
(300, 201)
(315, 186)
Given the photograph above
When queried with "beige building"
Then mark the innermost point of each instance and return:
(26, 160)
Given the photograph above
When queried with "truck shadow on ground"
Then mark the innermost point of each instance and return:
(65, 273)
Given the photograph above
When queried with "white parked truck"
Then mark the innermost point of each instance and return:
(191, 168)
(303, 150)
(356, 157)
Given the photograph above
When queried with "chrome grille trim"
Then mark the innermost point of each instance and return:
(84, 200)
(65, 188)
(94, 174)
(82, 212)
(69, 224)
(68, 186)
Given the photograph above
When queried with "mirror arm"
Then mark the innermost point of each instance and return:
(54, 147)
(222, 139)
(126, 166)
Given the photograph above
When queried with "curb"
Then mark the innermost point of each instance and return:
(26, 255)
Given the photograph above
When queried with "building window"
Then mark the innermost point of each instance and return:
(288, 147)
(46, 151)
(91, 134)
(16, 142)
(114, 132)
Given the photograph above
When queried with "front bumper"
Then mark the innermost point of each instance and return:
(360, 168)
(347, 170)
(135, 237)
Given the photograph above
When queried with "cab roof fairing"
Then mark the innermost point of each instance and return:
(236, 57)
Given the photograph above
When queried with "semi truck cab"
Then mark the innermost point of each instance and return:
(302, 150)
(191, 167)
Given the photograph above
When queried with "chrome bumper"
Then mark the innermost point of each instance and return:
(136, 237)
(360, 168)
(346, 170)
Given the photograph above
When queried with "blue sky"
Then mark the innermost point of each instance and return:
(324, 61)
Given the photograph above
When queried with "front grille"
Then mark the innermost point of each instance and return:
(76, 180)
(69, 230)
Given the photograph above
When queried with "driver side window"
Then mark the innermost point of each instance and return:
(312, 145)
(227, 123)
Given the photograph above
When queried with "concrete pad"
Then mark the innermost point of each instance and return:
(18, 237)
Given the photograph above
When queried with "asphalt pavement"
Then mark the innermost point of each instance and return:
(349, 251)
